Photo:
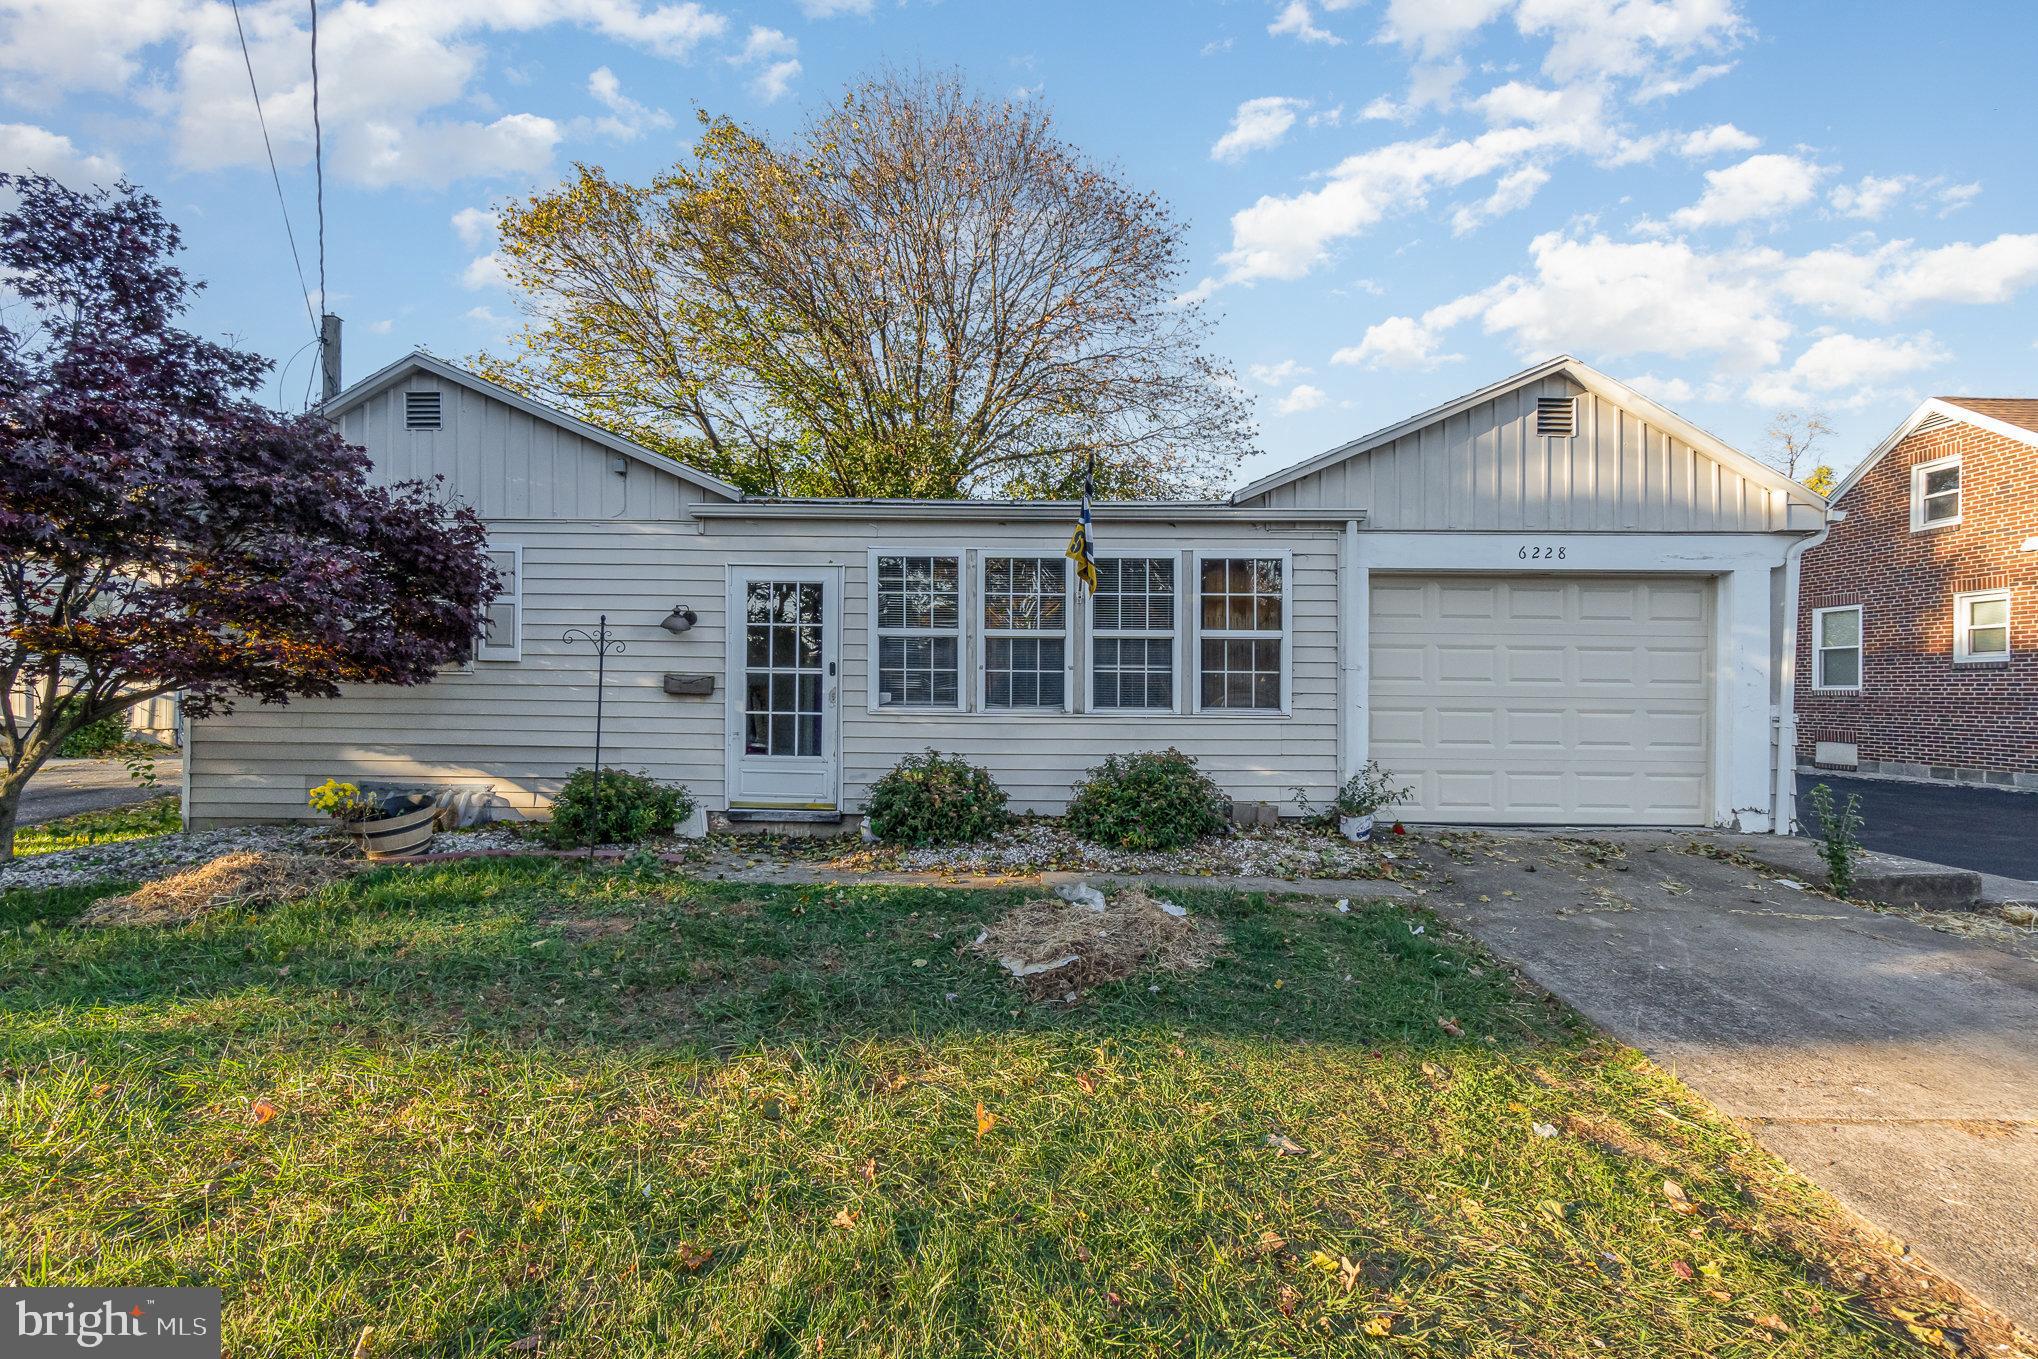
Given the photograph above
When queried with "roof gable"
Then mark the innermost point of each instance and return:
(1477, 461)
(1989, 413)
(418, 361)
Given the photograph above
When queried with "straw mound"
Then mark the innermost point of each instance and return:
(1056, 948)
(250, 878)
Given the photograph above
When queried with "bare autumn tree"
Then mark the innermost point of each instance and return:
(1790, 438)
(923, 292)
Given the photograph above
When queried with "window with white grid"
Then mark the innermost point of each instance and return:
(1132, 634)
(1025, 632)
(916, 603)
(1241, 634)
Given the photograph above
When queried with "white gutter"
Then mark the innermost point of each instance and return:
(1783, 802)
(1059, 511)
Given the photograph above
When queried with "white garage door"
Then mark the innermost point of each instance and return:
(1517, 699)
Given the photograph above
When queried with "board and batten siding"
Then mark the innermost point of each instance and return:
(521, 726)
(1485, 467)
(508, 464)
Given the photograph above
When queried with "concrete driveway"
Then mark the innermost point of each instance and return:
(64, 787)
(1988, 830)
(1895, 1066)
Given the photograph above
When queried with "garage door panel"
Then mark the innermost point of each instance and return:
(1544, 699)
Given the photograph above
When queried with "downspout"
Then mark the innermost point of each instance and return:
(1783, 802)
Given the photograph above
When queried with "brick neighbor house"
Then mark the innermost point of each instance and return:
(1917, 637)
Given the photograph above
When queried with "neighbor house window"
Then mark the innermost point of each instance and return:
(917, 606)
(1981, 626)
(1026, 624)
(1935, 493)
(502, 630)
(1132, 634)
(1836, 648)
(1242, 616)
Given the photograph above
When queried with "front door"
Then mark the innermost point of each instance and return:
(782, 713)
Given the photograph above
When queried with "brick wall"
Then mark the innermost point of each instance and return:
(1918, 712)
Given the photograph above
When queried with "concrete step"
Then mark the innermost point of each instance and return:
(1888, 879)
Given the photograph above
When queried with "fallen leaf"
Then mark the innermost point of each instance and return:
(1379, 1326)
(1679, 1200)
(465, 1234)
(527, 1344)
(1271, 1241)
(1348, 1272)
(264, 1111)
(870, 1170)
(100, 1089)
(1719, 1295)
(1087, 1082)
(1285, 1301)
(692, 1257)
(845, 1218)
(986, 1120)
(1683, 1271)
(1112, 1296)
(1284, 1145)
(1773, 1322)
(1451, 1027)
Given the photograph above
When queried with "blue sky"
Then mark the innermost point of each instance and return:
(1735, 205)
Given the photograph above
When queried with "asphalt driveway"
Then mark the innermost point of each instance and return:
(1986, 829)
(65, 787)
(1893, 1065)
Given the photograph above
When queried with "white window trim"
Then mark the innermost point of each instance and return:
(962, 631)
(1174, 637)
(1860, 649)
(1918, 474)
(981, 651)
(1286, 634)
(1961, 655)
(513, 650)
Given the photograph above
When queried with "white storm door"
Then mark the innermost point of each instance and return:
(784, 640)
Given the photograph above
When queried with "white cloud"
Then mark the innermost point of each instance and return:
(382, 327)
(627, 119)
(1275, 374)
(389, 74)
(1671, 391)
(1334, 116)
(1628, 38)
(1954, 197)
(1216, 45)
(1717, 140)
(1437, 27)
(473, 226)
(1257, 125)
(1397, 342)
(1870, 196)
(1664, 86)
(1758, 187)
(1301, 397)
(25, 147)
(1515, 191)
(1846, 370)
(485, 271)
(1297, 21)
(829, 9)
(774, 52)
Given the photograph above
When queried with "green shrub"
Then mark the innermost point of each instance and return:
(633, 808)
(934, 799)
(1155, 799)
(1840, 838)
(94, 738)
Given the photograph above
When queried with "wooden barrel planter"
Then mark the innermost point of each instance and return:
(405, 827)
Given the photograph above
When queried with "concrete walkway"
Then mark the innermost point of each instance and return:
(1893, 1065)
(66, 787)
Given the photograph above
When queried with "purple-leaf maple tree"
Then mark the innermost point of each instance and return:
(160, 530)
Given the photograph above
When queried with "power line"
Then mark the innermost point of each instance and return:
(274, 177)
(318, 163)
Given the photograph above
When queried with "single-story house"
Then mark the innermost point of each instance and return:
(1549, 601)
(1918, 624)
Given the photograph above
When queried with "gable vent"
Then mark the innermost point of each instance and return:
(1556, 416)
(1936, 420)
(421, 410)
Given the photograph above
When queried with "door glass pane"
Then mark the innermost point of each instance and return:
(783, 675)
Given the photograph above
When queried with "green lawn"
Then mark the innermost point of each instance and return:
(521, 1108)
(135, 821)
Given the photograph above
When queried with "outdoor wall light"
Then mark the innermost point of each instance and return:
(680, 620)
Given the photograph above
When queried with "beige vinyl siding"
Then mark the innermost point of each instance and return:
(507, 463)
(522, 726)
(1486, 468)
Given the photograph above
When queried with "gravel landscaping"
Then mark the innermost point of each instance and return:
(142, 860)
(1288, 851)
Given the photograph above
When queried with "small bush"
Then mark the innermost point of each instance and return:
(94, 739)
(934, 799)
(1841, 840)
(633, 808)
(1155, 799)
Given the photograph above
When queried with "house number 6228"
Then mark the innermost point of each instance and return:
(1529, 554)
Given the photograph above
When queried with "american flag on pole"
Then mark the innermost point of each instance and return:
(1082, 548)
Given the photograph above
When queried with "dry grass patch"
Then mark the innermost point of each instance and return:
(250, 878)
(1058, 949)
